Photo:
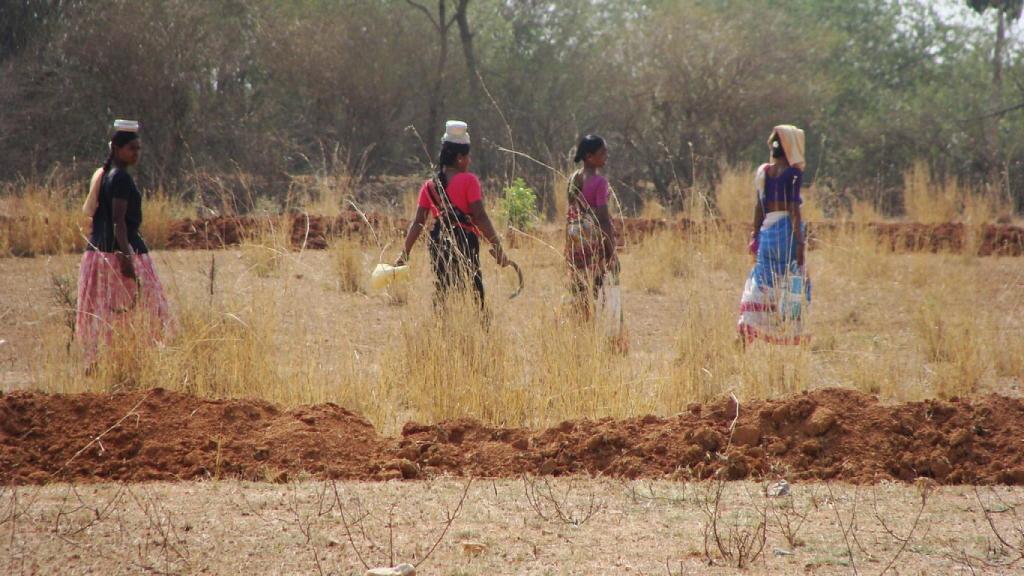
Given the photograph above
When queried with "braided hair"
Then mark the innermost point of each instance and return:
(120, 139)
(450, 152)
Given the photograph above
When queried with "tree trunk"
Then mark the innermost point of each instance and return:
(436, 107)
(466, 36)
(474, 113)
(994, 159)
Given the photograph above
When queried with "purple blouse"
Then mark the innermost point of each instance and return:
(785, 187)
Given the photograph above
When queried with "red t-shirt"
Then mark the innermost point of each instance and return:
(463, 189)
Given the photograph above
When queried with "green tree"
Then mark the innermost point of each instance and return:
(1006, 10)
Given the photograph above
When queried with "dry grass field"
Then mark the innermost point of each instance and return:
(296, 327)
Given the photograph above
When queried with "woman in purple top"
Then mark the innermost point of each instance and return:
(770, 308)
(590, 237)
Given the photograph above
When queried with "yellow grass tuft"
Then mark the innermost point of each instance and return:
(266, 247)
(736, 197)
(40, 220)
(160, 209)
(349, 265)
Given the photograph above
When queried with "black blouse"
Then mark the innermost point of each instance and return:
(117, 184)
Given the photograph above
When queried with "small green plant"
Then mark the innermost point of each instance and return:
(519, 205)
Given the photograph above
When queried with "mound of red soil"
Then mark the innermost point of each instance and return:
(176, 436)
(304, 230)
(826, 434)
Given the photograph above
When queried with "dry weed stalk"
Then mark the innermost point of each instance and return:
(98, 439)
(552, 507)
(637, 497)
(309, 523)
(16, 507)
(1009, 540)
(924, 491)
(64, 295)
(358, 523)
(789, 518)
(265, 248)
(161, 536)
(739, 541)
(74, 523)
(848, 529)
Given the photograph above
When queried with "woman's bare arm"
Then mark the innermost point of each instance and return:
(758, 218)
(482, 221)
(120, 209)
(415, 229)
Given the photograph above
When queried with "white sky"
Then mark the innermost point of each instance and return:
(959, 12)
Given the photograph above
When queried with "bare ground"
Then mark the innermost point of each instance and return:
(570, 526)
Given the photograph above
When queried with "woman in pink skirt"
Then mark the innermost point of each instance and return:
(118, 288)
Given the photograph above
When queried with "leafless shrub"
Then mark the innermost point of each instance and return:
(1006, 527)
(904, 541)
(551, 506)
(310, 521)
(366, 544)
(847, 527)
(789, 518)
(75, 515)
(160, 548)
(737, 538)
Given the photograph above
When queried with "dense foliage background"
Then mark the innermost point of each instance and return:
(259, 91)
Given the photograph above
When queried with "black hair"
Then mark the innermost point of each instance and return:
(589, 144)
(450, 152)
(120, 139)
(778, 150)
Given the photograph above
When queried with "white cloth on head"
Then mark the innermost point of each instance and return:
(126, 125)
(792, 139)
(456, 132)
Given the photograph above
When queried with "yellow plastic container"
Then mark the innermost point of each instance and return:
(384, 274)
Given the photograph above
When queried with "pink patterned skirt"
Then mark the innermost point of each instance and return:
(108, 301)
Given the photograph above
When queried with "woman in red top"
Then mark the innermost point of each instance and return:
(454, 199)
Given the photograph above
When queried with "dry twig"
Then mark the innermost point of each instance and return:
(542, 498)
(739, 543)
